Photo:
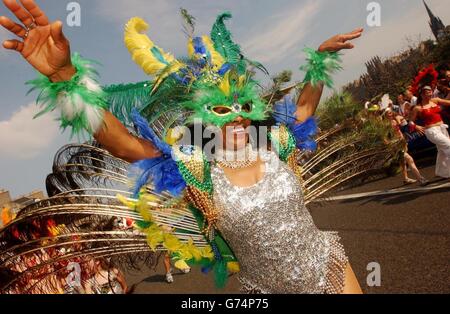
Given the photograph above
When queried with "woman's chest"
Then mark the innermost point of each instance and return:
(277, 192)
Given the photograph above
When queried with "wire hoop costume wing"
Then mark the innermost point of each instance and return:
(82, 222)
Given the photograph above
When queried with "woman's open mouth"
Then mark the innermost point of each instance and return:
(239, 130)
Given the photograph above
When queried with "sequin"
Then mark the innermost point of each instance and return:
(278, 246)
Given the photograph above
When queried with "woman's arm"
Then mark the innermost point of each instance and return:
(441, 102)
(43, 45)
(308, 101)
(310, 96)
(115, 138)
(413, 116)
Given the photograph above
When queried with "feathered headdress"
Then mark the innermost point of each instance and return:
(208, 67)
(426, 77)
(207, 55)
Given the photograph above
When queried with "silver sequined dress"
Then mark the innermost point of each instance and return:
(272, 234)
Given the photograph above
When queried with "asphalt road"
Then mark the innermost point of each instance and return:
(407, 234)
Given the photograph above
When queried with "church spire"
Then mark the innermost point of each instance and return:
(436, 24)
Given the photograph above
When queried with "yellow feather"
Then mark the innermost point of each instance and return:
(185, 253)
(173, 135)
(216, 58)
(224, 85)
(125, 201)
(139, 45)
(190, 48)
(242, 80)
(171, 242)
(181, 265)
(233, 267)
(207, 252)
(154, 237)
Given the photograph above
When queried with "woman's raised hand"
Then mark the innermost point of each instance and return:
(339, 42)
(41, 43)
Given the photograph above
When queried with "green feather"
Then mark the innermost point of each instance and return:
(49, 94)
(123, 98)
(220, 274)
(167, 98)
(223, 42)
(256, 65)
(320, 66)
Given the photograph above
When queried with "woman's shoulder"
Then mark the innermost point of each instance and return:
(430, 106)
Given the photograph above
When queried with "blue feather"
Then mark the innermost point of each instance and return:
(206, 270)
(200, 48)
(304, 133)
(184, 80)
(147, 133)
(284, 111)
(162, 171)
(224, 69)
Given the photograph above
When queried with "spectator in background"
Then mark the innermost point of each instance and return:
(443, 92)
(404, 106)
(444, 71)
(398, 122)
(394, 107)
(442, 88)
(409, 97)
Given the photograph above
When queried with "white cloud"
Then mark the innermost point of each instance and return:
(282, 33)
(24, 137)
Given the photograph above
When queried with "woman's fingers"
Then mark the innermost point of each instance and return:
(347, 45)
(352, 35)
(19, 12)
(38, 15)
(13, 44)
(15, 28)
(57, 34)
(357, 30)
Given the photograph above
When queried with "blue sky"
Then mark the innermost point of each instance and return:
(272, 32)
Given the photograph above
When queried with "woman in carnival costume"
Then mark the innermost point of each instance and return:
(219, 211)
(429, 111)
